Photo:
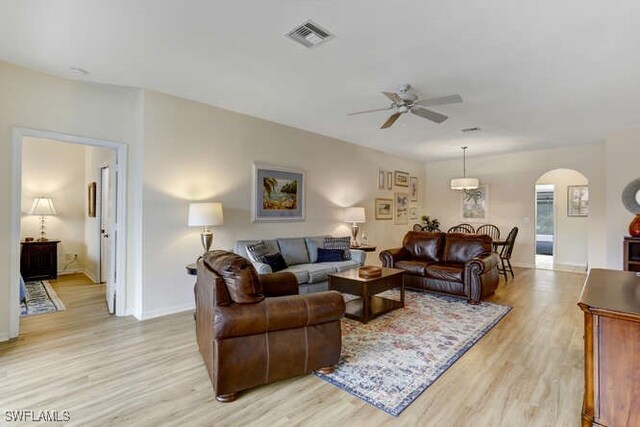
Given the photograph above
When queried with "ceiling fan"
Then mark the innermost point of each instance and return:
(404, 101)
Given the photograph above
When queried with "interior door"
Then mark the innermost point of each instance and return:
(107, 236)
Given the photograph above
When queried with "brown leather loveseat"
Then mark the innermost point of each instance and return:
(451, 263)
(255, 329)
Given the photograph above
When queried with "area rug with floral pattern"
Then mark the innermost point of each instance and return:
(391, 360)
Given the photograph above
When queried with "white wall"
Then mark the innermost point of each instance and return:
(197, 152)
(35, 100)
(621, 160)
(570, 232)
(511, 179)
(54, 169)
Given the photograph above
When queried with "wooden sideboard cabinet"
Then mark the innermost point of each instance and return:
(610, 301)
(39, 260)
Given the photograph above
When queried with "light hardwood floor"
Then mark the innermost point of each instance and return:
(105, 370)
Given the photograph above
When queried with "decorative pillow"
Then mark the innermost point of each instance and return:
(313, 243)
(257, 251)
(330, 255)
(339, 243)
(275, 261)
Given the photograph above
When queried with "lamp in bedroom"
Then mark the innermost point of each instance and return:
(42, 207)
(354, 215)
(205, 215)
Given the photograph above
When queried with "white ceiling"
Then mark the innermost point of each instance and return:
(533, 74)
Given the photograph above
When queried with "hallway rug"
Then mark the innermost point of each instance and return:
(391, 360)
(41, 298)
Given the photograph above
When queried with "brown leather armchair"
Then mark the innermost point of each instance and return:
(452, 263)
(255, 329)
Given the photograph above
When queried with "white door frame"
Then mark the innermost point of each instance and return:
(121, 150)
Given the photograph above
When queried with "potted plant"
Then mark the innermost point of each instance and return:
(430, 224)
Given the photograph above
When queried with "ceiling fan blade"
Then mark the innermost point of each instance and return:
(369, 111)
(451, 99)
(390, 121)
(428, 114)
(393, 96)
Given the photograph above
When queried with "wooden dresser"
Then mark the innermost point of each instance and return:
(611, 303)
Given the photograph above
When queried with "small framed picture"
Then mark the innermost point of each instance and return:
(401, 179)
(578, 200)
(383, 208)
(381, 180)
(401, 204)
(413, 188)
(389, 180)
(91, 200)
(413, 212)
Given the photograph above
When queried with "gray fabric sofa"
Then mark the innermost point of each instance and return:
(301, 254)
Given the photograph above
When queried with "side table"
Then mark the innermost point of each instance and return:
(39, 260)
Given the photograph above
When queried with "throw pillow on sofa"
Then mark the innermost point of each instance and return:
(275, 261)
(257, 251)
(342, 243)
(330, 255)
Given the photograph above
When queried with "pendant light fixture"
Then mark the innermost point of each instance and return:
(464, 183)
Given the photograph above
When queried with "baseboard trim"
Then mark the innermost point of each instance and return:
(4, 336)
(151, 314)
(523, 265)
(89, 275)
(70, 271)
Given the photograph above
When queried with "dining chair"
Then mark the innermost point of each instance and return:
(489, 230)
(462, 228)
(505, 254)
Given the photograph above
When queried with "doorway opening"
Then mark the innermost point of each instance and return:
(561, 220)
(79, 241)
(544, 226)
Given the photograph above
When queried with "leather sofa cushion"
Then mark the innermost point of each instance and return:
(294, 250)
(447, 271)
(424, 246)
(463, 247)
(413, 266)
(278, 313)
(239, 275)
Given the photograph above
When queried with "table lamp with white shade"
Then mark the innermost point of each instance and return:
(354, 215)
(205, 215)
(42, 207)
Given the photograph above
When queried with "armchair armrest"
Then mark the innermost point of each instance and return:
(358, 255)
(390, 256)
(279, 313)
(279, 284)
(482, 263)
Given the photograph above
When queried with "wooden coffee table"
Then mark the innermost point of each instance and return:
(369, 305)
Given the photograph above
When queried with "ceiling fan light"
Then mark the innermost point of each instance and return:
(465, 183)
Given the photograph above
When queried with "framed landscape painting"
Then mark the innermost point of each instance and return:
(578, 200)
(383, 208)
(475, 204)
(278, 194)
(401, 202)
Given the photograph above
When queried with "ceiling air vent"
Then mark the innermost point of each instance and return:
(310, 34)
(470, 130)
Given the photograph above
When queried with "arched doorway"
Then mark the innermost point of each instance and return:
(561, 220)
